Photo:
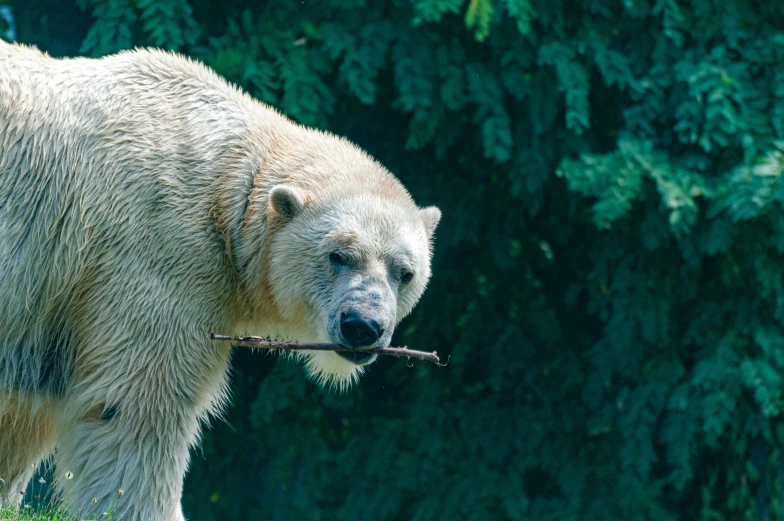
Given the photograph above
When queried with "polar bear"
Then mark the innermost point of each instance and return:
(143, 202)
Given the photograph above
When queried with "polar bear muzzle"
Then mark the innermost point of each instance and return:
(358, 332)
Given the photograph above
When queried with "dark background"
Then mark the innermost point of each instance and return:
(608, 272)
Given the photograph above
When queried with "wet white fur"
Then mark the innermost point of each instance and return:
(134, 217)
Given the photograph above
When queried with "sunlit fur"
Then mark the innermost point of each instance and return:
(135, 216)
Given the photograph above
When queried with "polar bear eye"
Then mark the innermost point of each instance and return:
(338, 259)
(406, 277)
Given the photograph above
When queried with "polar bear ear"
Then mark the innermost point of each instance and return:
(431, 216)
(286, 201)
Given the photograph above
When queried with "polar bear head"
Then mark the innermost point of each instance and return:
(346, 266)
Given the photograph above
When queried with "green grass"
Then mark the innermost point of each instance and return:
(29, 514)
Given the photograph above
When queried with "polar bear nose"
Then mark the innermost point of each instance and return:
(359, 332)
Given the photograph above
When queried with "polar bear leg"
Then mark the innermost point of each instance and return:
(140, 447)
(131, 416)
(26, 437)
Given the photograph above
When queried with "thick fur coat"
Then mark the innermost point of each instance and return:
(143, 202)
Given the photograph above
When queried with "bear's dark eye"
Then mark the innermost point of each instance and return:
(338, 259)
(406, 277)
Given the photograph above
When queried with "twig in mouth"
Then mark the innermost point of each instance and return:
(264, 343)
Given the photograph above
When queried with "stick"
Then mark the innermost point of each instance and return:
(262, 343)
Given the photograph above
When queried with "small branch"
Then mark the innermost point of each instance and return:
(262, 343)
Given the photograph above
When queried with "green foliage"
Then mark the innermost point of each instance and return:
(608, 277)
(164, 23)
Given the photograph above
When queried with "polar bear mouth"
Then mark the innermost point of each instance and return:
(362, 358)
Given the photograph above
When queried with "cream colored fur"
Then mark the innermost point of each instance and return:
(135, 215)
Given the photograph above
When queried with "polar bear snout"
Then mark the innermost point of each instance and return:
(358, 331)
